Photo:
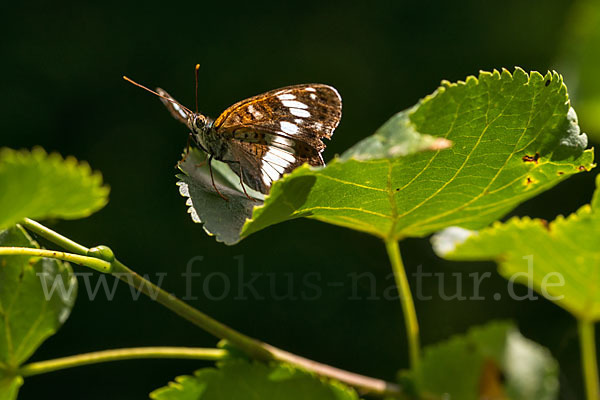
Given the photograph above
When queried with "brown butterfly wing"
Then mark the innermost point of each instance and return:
(305, 113)
(275, 132)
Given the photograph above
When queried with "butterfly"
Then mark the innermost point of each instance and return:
(265, 136)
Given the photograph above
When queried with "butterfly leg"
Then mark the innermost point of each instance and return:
(242, 183)
(212, 179)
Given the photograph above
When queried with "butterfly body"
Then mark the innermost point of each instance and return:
(266, 136)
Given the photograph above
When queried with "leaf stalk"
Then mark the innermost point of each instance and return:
(406, 300)
(589, 362)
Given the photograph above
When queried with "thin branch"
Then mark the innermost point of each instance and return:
(252, 347)
(91, 262)
(97, 357)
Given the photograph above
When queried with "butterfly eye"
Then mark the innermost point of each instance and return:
(199, 121)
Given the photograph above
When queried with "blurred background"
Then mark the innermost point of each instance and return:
(62, 64)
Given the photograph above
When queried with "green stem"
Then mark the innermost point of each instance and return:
(408, 306)
(91, 262)
(54, 237)
(589, 363)
(252, 347)
(248, 345)
(96, 357)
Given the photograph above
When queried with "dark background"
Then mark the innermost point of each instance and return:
(62, 89)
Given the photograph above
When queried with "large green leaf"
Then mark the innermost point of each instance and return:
(513, 136)
(36, 297)
(560, 259)
(36, 185)
(240, 379)
(490, 362)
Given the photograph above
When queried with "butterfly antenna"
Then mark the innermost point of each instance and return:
(159, 95)
(196, 72)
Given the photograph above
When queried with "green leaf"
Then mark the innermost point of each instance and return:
(492, 361)
(580, 58)
(37, 185)
(559, 259)
(513, 137)
(240, 379)
(36, 297)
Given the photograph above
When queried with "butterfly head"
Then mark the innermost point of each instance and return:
(198, 123)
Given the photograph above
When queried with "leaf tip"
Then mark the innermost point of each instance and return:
(519, 73)
(472, 80)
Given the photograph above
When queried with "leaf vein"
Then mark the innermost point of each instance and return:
(345, 182)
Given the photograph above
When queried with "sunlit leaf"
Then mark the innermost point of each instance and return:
(559, 259)
(37, 185)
